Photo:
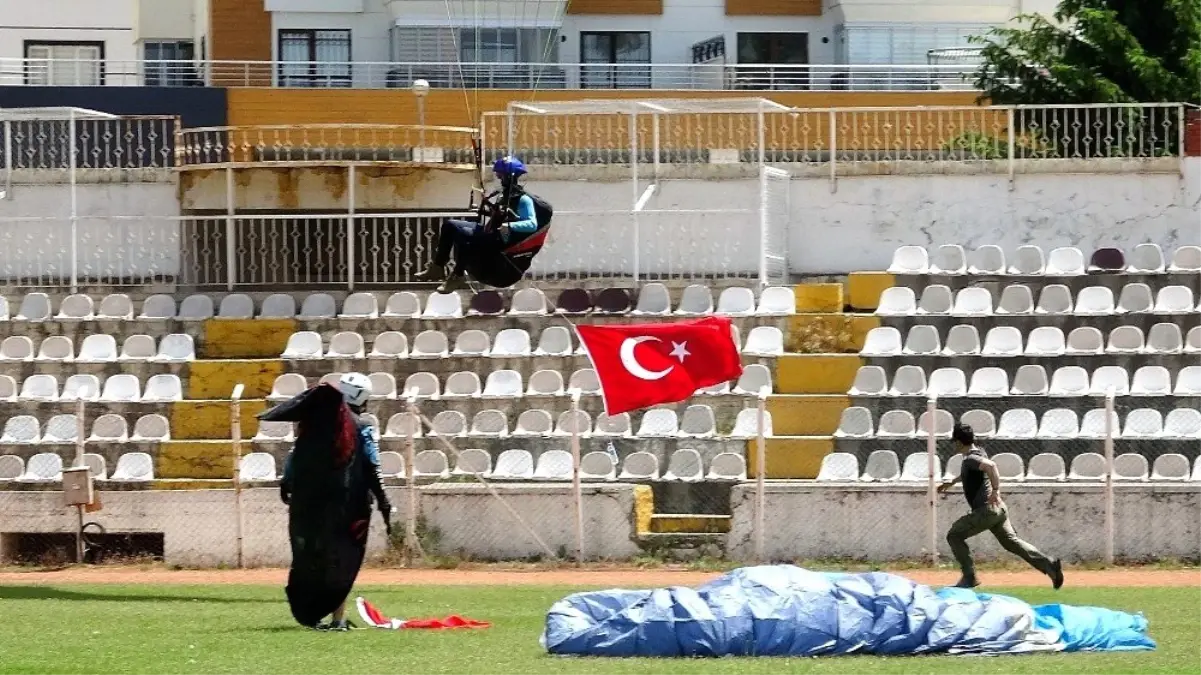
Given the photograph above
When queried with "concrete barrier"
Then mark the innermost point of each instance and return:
(889, 522)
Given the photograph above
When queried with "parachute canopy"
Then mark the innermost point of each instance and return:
(788, 611)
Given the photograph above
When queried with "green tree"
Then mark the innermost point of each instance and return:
(1096, 51)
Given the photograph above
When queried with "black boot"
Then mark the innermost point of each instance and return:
(431, 274)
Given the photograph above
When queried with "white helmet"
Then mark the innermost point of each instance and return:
(355, 388)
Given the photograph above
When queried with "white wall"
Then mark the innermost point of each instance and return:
(200, 526)
(369, 28)
(858, 226)
(880, 523)
(924, 11)
(164, 19)
(108, 21)
(35, 226)
(686, 22)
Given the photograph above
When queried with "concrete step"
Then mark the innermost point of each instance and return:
(664, 523)
(789, 456)
(806, 414)
(816, 373)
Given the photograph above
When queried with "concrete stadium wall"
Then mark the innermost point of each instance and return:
(200, 526)
(875, 522)
(147, 241)
(859, 225)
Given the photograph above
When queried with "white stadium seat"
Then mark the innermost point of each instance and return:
(1094, 301)
(882, 341)
(383, 385)
(1065, 261)
(1084, 341)
(987, 259)
(1016, 299)
(597, 466)
(736, 301)
(639, 465)
(1003, 341)
(346, 345)
(777, 301)
(503, 384)
(1046, 341)
(764, 341)
(8, 388)
(1030, 380)
(424, 385)
(401, 425)
(449, 423)
(545, 383)
(1143, 423)
(472, 462)
(1151, 381)
(431, 464)
(897, 301)
(754, 378)
(882, 465)
(1186, 259)
(389, 345)
(462, 384)
(34, 307)
(1092, 426)
(936, 300)
(909, 260)
(917, 468)
(869, 381)
(360, 306)
(698, 421)
(257, 467)
(1009, 466)
(946, 382)
(1054, 299)
(1164, 338)
(1125, 340)
(1170, 466)
(391, 464)
(685, 465)
(1174, 300)
(1130, 466)
(21, 429)
(615, 425)
(1069, 381)
(1028, 261)
(1046, 466)
(1146, 259)
(430, 344)
(973, 301)
(303, 345)
(746, 424)
(897, 424)
(950, 259)
(982, 422)
(472, 342)
(1183, 423)
(278, 306)
(908, 381)
(658, 423)
(653, 300)
(43, 387)
(1135, 298)
(528, 302)
(157, 308)
(1110, 378)
(403, 305)
(43, 467)
(196, 308)
(137, 348)
(16, 348)
(153, 427)
(943, 423)
(1188, 381)
(163, 388)
(922, 340)
(286, 386)
(115, 306)
(586, 381)
(98, 349)
(839, 467)
(176, 348)
(535, 422)
(696, 300)
(1192, 342)
(1059, 423)
(727, 466)
(319, 306)
(76, 307)
(856, 422)
(554, 341)
(109, 428)
(989, 383)
(56, 348)
(962, 340)
(510, 343)
(81, 386)
(134, 467)
(514, 464)
(236, 306)
(443, 306)
(573, 422)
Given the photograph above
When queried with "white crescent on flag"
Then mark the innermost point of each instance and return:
(631, 362)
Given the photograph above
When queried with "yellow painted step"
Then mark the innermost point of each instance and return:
(196, 459)
(829, 333)
(216, 379)
(789, 456)
(209, 420)
(806, 414)
(246, 338)
(818, 298)
(816, 373)
(689, 524)
(644, 508)
(864, 289)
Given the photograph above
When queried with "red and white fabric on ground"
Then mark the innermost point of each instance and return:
(376, 619)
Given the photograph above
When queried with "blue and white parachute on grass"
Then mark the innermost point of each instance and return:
(788, 611)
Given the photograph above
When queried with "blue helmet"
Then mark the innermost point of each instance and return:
(508, 166)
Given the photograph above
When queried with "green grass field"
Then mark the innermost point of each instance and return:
(247, 629)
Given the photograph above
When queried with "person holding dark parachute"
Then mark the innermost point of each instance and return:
(497, 246)
(328, 483)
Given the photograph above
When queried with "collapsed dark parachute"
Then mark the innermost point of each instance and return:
(328, 507)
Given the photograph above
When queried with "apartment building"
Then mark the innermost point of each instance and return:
(600, 43)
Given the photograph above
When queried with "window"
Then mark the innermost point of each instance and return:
(169, 64)
(517, 51)
(789, 49)
(314, 58)
(622, 52)
(64, 64)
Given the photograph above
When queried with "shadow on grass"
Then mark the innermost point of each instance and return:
(57, 593)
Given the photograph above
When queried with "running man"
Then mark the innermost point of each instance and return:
(982, 488)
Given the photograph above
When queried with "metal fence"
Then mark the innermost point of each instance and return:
(1078, 482)
(136, 142)
(325, 144)
(471, 75)
(909, 139)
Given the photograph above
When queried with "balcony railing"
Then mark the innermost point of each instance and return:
(454, 75)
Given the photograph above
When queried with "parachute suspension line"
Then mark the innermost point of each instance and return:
(552, 34)
(454, 41)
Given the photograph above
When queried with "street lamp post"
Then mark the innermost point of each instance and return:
(420, 89)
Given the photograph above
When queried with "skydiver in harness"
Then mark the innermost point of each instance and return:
(497, 246)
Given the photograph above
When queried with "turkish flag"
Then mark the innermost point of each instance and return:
(641, 365)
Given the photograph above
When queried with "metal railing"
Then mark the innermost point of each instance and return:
(135, 142)
(326, 144)
(922, 138)
(454, 75)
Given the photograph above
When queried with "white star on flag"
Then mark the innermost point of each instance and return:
(680, 350)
